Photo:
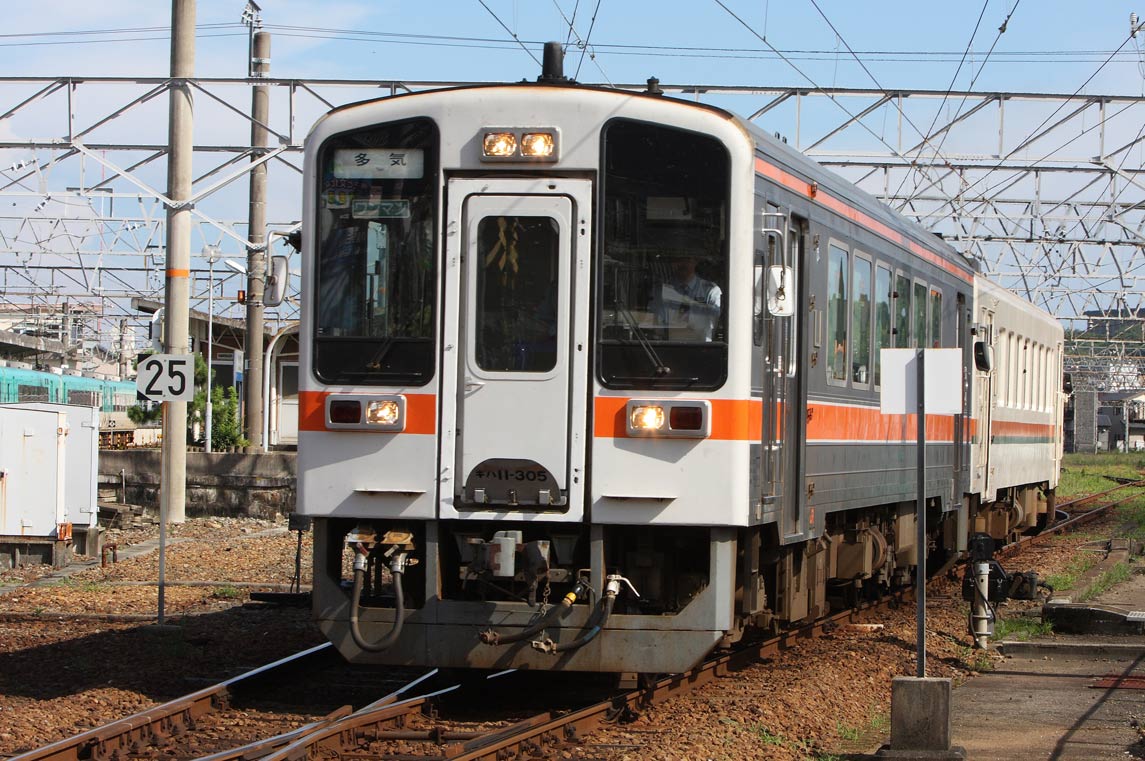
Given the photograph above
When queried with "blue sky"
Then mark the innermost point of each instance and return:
(1048, 46)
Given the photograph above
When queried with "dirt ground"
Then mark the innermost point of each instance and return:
(74, 652)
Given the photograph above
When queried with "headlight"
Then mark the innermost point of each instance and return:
(499, 144)
(537, 144)
(647, 417)
(386, 412)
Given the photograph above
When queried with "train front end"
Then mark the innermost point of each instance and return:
(524, 433)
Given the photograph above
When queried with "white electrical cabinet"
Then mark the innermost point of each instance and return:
(33, 449)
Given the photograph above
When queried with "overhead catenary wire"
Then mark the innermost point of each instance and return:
(826, 92)
(950, 88)
(965, 95)
(878, 84)
(587, 37)
(511, 32)
(1031, 136)
(1047, 57)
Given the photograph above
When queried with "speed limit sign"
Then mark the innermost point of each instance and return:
(166, 378)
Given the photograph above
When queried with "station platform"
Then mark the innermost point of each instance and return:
(1078, 693)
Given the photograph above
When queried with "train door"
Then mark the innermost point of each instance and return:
(790, 390)
(515, 358)
(984, 405)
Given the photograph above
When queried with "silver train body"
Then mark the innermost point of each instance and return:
(591, 381)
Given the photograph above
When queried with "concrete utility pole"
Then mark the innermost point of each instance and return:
(177, 292)
(256, 255)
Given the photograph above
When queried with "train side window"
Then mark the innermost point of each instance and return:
(1027, 387)
(861, 322)
(935, 318)
(837, 315)
(1001, 369)
(1015, 345)
(27, 392)
(1039, 381)
(882, 318)
(902, 311)
(919, 301)
(1019, 387)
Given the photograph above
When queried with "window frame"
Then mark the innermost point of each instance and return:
(853, 345)
(834, 245)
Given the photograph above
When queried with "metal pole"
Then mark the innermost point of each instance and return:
(211, 254)
(172, 504)
(920, 509)
(256, 254)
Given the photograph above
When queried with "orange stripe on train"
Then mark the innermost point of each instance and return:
(421, 412)
(742, 420)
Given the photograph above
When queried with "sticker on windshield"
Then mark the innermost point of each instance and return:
(369, 209)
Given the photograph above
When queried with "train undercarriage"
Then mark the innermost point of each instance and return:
(490, 594)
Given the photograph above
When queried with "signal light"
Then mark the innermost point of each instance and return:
(346, 411)
(241, 296)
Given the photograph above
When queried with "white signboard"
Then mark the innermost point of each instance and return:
(379, 163)
(943, 381)
(166, 378)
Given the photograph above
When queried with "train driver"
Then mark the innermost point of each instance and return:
(687, 302)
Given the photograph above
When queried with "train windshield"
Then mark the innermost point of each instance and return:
(664, 261)
(374, 311)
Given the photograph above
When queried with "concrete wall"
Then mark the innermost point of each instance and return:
(227, 484)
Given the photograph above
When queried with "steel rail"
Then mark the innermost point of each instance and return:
(388, 719)
(136, 733)
(1073, 522)
(545, 730)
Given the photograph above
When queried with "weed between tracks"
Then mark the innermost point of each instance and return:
(1021, 628)
(1107, 580)
(1072, 572)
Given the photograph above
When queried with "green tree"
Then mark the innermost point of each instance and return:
(226, 428)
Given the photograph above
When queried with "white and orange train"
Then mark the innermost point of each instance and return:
(591, 381)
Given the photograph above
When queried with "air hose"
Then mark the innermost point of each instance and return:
(611, 590)
(490, 637)
(397, 568)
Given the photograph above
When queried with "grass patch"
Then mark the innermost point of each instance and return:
(84, 586)
(1021, 628)
(1106, 581)
(1072, 572)
(765, 736)
(228, 593)
(975, 660)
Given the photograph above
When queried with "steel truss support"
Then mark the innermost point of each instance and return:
(1046, 190)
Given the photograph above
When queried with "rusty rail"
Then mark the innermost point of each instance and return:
(1077, 520)
(136, 733)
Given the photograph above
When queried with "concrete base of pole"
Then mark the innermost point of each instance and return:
(920, 720)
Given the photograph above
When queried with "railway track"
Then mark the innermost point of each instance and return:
(425, 720)
(439, 720)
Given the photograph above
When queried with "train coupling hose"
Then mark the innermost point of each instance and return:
(490, 637)
(398, 563)
(608, 600)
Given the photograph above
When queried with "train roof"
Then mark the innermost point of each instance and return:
(775, 148)
(843, 189)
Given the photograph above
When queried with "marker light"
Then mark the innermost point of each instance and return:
(499, 144)
(346, 411)
(647, 418)
(386, 412)
(537, 145)
(366, 412)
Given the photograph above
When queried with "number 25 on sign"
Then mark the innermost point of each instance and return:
(166, 378)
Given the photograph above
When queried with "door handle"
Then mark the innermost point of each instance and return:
(472, 385)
